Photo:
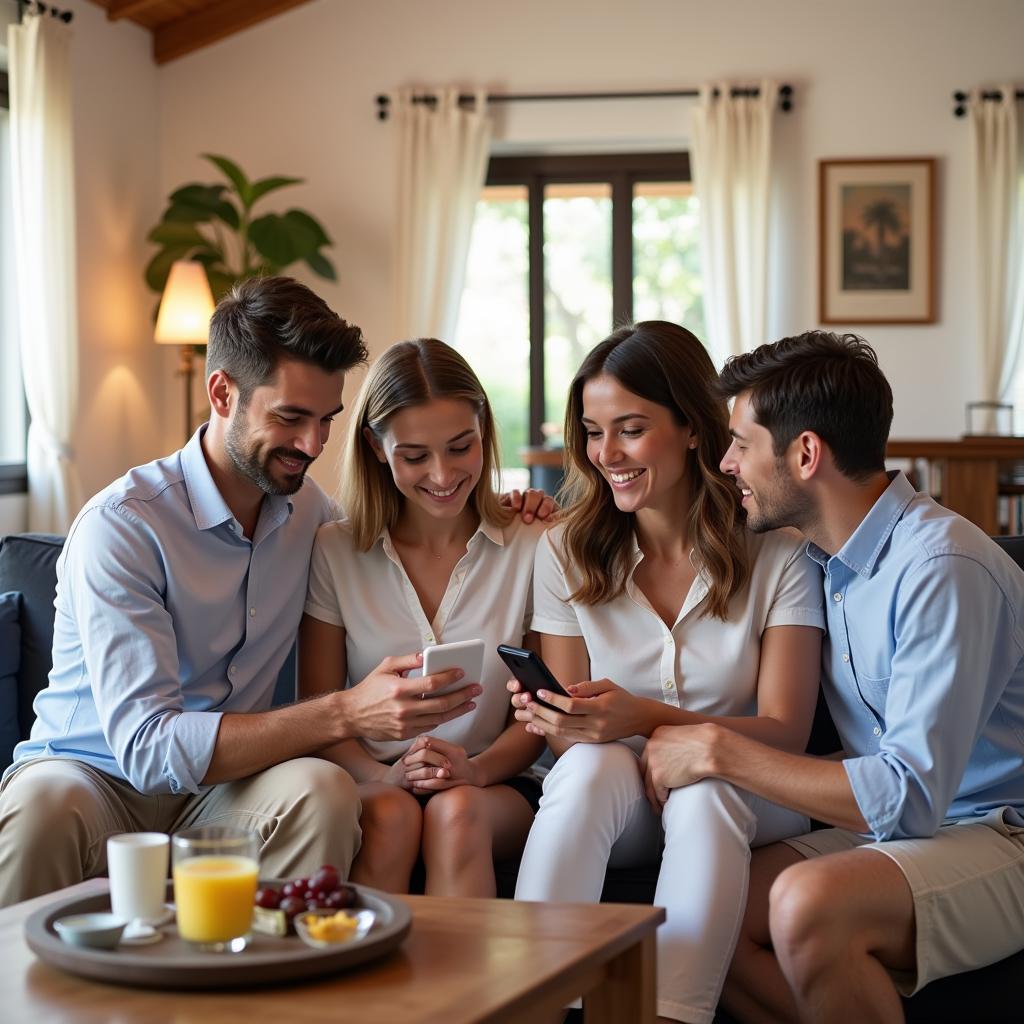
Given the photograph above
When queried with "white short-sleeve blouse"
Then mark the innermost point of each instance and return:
(488, 598)
(701, 663)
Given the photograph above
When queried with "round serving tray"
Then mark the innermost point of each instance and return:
(172, 963)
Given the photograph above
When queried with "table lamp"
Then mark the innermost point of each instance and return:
(184, 319)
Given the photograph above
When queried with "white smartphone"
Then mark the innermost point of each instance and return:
(465, 654)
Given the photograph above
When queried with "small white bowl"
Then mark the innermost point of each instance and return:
(97, 931)
(364, 922)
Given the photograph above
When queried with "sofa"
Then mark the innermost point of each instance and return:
(28, 572)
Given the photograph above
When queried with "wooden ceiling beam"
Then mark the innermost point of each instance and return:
(117, 9)
(201, 28)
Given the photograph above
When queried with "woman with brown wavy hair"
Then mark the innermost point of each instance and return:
(655, 606)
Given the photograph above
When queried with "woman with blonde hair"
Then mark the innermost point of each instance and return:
(655, 606)
(426, 554)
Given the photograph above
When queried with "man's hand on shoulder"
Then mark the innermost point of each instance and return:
(387, 706)
(532, 504)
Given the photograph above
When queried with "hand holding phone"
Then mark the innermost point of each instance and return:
(529, 668)
(467, 655)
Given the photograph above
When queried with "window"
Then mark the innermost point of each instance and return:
(563, 249)
(13, 416)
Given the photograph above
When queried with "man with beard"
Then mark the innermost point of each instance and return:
(923, 874)
(180, 590)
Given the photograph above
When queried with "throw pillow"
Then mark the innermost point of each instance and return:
(10, 659)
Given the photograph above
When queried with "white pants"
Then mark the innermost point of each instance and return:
(593, 814)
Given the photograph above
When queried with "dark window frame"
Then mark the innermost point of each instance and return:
(622, 171)
(13, 475)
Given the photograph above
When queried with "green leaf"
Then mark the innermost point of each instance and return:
(304, 239)
(321, 265)
(235, 175)
(209, 257)
(265, 185)
(274, 239)
(304, 221)
(182, 213)
(160, 265)
(226, 212)
(220, 282)
(176, 232)
(207, 196)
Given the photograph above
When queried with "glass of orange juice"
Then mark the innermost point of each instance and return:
(215, 872)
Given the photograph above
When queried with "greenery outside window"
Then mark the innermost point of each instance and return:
(564, 248)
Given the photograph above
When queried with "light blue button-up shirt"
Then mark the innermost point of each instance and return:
(167, 616)
(924, 665)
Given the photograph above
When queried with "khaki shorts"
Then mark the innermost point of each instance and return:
(967, 883)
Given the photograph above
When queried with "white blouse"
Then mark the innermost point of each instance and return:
(488, 598)
(701, 663)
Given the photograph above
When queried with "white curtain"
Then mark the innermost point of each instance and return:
(44, 240)
(442, 167)
(997, 164)
(730, 150)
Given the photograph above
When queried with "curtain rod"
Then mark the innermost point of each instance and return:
(960, 98)
(41, 8)
(429, 99)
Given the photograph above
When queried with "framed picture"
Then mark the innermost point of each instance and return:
(876, 226)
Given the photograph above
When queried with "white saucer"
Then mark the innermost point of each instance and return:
(165, 918)
(138, 933)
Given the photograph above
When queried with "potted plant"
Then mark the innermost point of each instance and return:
(214, 224)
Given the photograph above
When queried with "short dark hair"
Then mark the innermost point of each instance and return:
(820, 381)
(266, 319)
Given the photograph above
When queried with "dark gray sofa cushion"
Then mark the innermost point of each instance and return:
(28, 564)
(10, 659)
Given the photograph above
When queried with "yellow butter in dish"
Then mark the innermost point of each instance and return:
(323, 929)
(338, 927)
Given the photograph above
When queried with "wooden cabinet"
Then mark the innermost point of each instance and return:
(970, 475)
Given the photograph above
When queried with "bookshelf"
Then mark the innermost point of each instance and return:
(980, 477)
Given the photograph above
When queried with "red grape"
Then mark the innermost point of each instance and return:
(292, 905)
(342, 897)
(269, 899)
(325, 880)
(301, 884)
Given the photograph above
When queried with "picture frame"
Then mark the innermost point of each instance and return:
(876, 234)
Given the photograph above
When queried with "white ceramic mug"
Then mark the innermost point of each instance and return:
(137, 865)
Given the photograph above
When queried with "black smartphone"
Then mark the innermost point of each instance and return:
(529, 668)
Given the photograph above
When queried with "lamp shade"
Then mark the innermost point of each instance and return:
(186, 306)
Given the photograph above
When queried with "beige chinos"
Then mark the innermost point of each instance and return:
(56, 815)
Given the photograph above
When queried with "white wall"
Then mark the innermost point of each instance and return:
(127, 391)
(295, 95)
(13, 513)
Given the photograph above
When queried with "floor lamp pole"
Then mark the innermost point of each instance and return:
(185, 368)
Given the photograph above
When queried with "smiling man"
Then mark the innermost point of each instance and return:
(923, 874)
(180, 589)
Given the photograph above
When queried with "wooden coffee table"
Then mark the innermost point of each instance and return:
(464, 961)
